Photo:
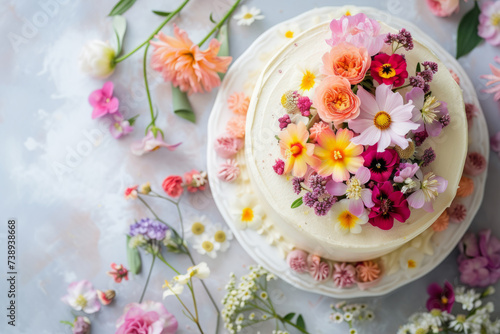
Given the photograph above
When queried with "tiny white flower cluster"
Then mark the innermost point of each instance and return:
(238, 303)
(350, 313)
(208, 238)
(477, 321)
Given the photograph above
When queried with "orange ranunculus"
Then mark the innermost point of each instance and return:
(335, 100)
(347, 61)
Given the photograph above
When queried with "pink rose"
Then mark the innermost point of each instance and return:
(443, 7)
(347, 61)
(173, 186)
(226, 147)
(146, 318)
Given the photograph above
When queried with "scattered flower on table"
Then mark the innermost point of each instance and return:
(148, 228)
(151, 143)
(195, 180)
(118, 272)
(489, 22)
(351, 314)
(120, 126)
(82, 297)
(172, 290)
(238, 103)
(145, 188)
(389, 69)
(443, 7)
(131, 192)
(247, 16)
(221, 236)
(172, 185)
(347, 61)
(200, 271)
(494, 79)
(81, 325)
(103, 101)
(97, 59)
(183, 63)
(206, 245)
(441, 298)
(146, 317)
(229, 170)
(106, 297)
(247, 212)
(197, 227)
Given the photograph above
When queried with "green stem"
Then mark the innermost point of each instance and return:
(162, 259)
(146, 84)
(167, 19)
(154, 214)
(396, 89)
(147, 280)
(283, 320)
(221, 22)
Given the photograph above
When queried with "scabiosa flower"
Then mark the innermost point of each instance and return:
(344, 275)
(430, 186)
(304, 104)
(440, 298)
(389, 70)
(297, 184)
(380, 164)
(390, 204)
(289, 101)
(403, 39)
(428, 157)
(284, 121)
(279, 167)
(428, 112)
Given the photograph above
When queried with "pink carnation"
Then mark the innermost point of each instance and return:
(344, 275)
(172, 185)
(228, 171)
(457, 212)
(146, 318)
(236, 126)
(238, 103)
(297, 261)
(475, 164)
(227, 147)
(443, 7)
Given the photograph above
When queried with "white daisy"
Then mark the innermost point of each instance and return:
(197, 227)
(306, 77)
(337, 317)
(172, 290)
(411, 259)
(247, 16)
(206, 245)
(345, 221)
(246, 212)
(221, 235)
(289, 31)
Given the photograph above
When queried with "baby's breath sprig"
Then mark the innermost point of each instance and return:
(247, 303)
(350, 314)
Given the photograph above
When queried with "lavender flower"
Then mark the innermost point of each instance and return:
(445, 120)
(297, 184)
(403, 39)
(317, 184)
(427, 75)
(428, 157)
(430, 65)
(417, 82)
(151, 229)
(284, 121)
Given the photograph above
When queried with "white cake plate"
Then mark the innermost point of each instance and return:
(242, 77)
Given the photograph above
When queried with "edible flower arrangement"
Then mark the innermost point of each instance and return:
(349, 137)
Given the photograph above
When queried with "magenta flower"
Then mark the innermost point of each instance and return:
(380, 164)
(120, 126)
(355, 191)
(428, 113)
(494, 79)
(82, 297)
(489, 22)
(441, 298)
(151, 143)
(390, 204)
(146, 318)
(103, 101)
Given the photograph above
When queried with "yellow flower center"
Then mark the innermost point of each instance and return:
(296, 149)
(81, 301)
(421, 331)
(247, 215)
(495, 20)
(197, 228)
(337, 155)
(342, 101)
(155, 148)
(248, 16)
(412, 264)
(220, 236)
(308, 81)
(444, 300)
(386, 71)
(118, 126)
(348, 13)
(347, 220)
(208, 246)
(382, 120)
(461, 318)
(289, 34)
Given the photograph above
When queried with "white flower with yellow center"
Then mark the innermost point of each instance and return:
(246, 212)
(221, 235)
(196, 227)
(206, 245)
(172, 290)
(289, 31)
(411, 259)
(306, 78)
(345, 221)
(247, 16)
(200, 271)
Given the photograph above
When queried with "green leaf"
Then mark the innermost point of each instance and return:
(419, 68)
(67, 323)
(212, 19)
(277, 137)
(181, 105)
(467, 35)
(298, 202)
(300, 322)
(121, 7)
(289, 316)
(160, 13)
(120, 27)
(133, 258)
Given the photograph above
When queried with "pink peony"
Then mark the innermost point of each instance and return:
(103, 101)
(489, 22)
(146, 318)
(151, 143)
(183, 63)
(475, 164)
(226, 147)
(229, 171)
(297, 261)
(358, 30)
(443, 7)
(172, 185)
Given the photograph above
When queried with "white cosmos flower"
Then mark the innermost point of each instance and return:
(221, 235)
(200, 271)
(206, 245)
(346, 221)
(172, 290)
(246, 212)
(97, 59)
(247, 16)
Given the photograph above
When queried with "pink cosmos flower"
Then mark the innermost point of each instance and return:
(489, 22)
(443, 7)
(151, 143)
(120, 126)
(358, 30)
(355, 191)
(82, 297)
(183, 63)
(430, 186)
(103, 101)
(494, 79)
(146, 318)
(390, 204)
(384, 119)
(427, 113)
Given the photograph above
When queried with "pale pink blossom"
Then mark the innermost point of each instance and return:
(494, 79)
(151, 143)
(489, 22)
(443, 7)
(103, 101)
(82, 297)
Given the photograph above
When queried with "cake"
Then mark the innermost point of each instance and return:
(355, 139)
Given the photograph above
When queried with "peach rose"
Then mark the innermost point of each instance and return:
(348, 61)
(335, 100)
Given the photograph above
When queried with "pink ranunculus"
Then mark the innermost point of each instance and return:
(151, 143)
(358, 30)
(172, 185)
(103, 101)
(489, 22)
(443, 7)
(226, 146)
(183, 63)
(146, 318)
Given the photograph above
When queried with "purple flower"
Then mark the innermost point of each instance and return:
(279, 167)
(418, 82)
(430, 186)
(428, 157)
(427, 112)
(445, 120)
(321, 204)
(81, 325)
(297, 184)
(120, 126)
(317, 184)
(474, 272)
(284, 121)
(405, 171)
(403, 39)
(103, 101)
(151, 229)
(430, 65)
(427, 75)
(441, 298)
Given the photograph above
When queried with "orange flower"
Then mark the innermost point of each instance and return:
(185, 65)
(295, 150)
(347, 61)
(335, 100)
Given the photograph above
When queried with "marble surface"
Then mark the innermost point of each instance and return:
(72, 220)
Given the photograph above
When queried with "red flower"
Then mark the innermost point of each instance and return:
(118, 273)
(440, 298)
(390, 70)
(173, 186)
(390, 204)
(380, 164)
(131, 192)
(195, 180)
